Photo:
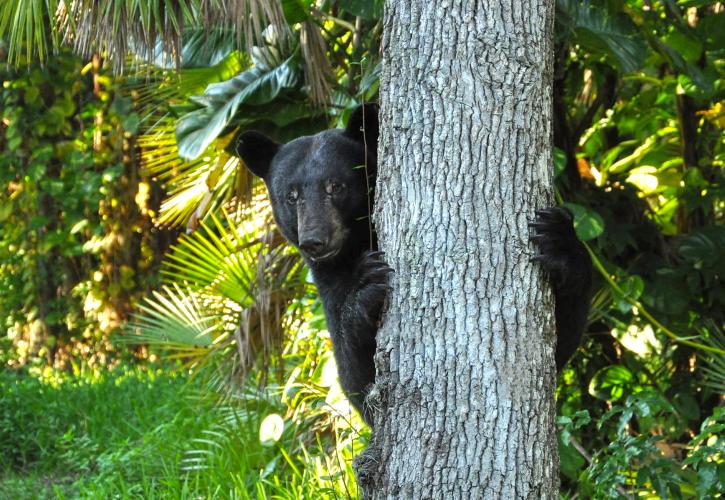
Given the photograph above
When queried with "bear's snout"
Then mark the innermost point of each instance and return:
(313, 245)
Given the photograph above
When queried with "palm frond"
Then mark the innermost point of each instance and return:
(223, 257)
(118, 28)
(191, 327)
(248, 19)
(228, 300)
(27, 27)
(175, 318)
(202, 47)
(35, 28)
(713, 367)
(195, 188)
(156, 89)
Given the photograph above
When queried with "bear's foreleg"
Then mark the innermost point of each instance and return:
(568, 263)
(354, 343)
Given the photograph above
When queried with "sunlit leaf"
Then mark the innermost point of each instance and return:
(609, 383)
(644, 178)
(271, 429)
(174, 317)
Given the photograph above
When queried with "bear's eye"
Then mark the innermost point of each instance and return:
(333, 188)
(292, 197)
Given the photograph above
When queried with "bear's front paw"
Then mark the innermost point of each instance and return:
(560, 252)
(372, 277)
(372, 269)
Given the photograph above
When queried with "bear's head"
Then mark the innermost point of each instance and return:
(318, 186)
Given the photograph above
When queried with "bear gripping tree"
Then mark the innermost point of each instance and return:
(464, 399)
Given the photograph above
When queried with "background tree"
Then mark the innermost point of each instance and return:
(466, 371)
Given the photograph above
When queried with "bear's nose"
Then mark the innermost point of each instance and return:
(312, 245)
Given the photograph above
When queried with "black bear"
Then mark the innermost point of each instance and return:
(319, 185)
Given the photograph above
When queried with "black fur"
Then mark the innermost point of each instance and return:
(318, 186)
(570, 268)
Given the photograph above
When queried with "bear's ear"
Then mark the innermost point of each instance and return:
(256, 151)
(363, 124)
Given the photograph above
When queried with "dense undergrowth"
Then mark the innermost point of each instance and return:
(149, 432)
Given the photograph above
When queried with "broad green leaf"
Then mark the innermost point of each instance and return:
(710, 30)
(705, 248)
(559, 162)
(707, 477)
(601, 33)
(688, 47)
(703, 79)
(610, 382)
(588, 224)
(296, 11)
(256, 86)
(570, 460)
(687, 405)
(668, 293)
(632, 288)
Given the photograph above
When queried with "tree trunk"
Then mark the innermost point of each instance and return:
(464, 398)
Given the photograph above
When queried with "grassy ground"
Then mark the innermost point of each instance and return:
(141, 433)
(94, 434)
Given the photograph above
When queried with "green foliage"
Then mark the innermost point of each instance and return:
(238, 288)
(601, 34)
(640, 88)
(153, 433)
(588, 224)
(66, 189)
(256, 86)
(79, 424)
(645, 461)
(26, 24)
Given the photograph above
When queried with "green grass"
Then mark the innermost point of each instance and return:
(94, 433)
(143, 433)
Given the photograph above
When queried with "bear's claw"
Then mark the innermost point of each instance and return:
(372, 269)
(559, 248)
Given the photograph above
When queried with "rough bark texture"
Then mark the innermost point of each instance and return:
(465, 387)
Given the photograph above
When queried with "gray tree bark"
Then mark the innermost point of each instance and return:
(464, 397)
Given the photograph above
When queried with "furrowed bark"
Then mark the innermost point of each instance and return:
(464, 396)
